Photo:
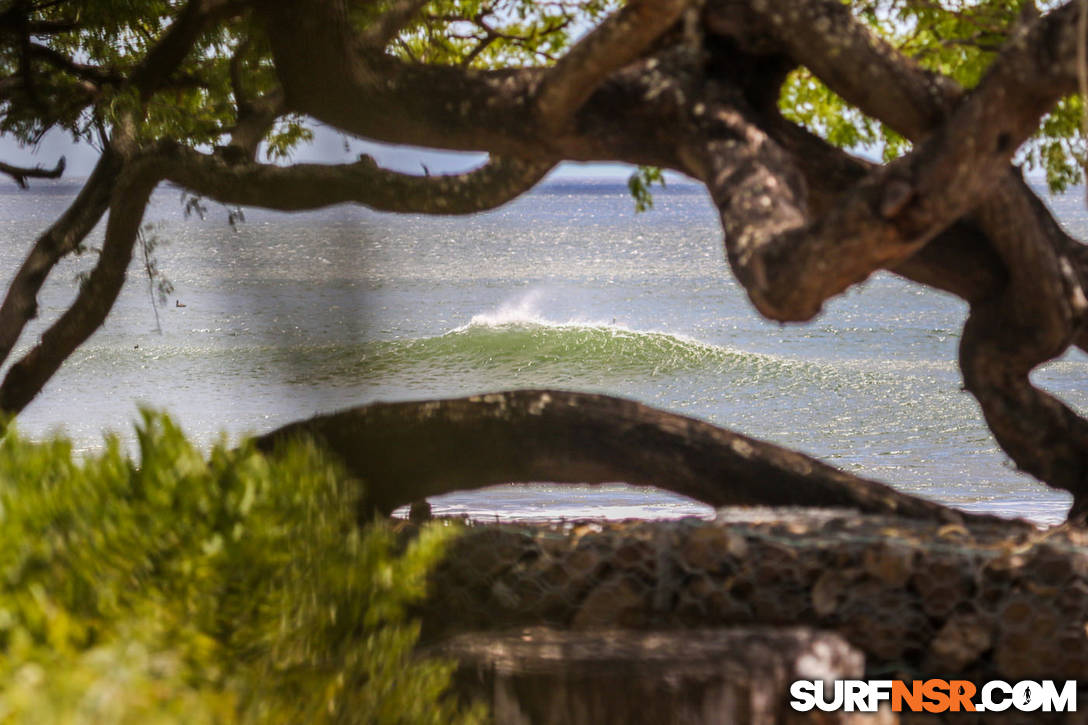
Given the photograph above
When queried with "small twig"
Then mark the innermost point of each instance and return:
(22, 173)
(150, 278)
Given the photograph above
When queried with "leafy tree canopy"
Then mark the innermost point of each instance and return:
(958, 40)
(70, 69)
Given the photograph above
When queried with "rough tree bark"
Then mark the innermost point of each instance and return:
(681, 85)
(406, 452)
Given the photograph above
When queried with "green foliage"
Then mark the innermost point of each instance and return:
(958, 38)
(494, 33)
(807, 101)
(200, 103)
(107, 43)
(1058, 148)
(640, 183)
(285, 137)
(236, 588)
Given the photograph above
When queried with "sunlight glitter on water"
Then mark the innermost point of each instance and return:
(291, 315)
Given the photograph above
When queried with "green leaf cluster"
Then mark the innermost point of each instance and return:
(108, 42)
(640, 185)
(807, 101)
(202, 100)
(1058, 148)
(232, 588)
(959, 39)
(200, 103)
(495, 33)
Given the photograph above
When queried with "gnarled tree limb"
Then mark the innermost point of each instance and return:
(20, 304)
(961, 259)
(790, 265)
(95, 300)
(312, 186)
(1006, 336)
(406, 452)
(620, 39)
(21, 173)
(1037, 307)
(818, 33)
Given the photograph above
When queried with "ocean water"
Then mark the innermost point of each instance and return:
(289, 315)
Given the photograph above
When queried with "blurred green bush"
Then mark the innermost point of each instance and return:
(230, 588)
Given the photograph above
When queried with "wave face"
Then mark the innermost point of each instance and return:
(516, 340)
(521, 345)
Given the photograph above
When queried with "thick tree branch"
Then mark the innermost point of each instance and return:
(907, 200)
(374, 96)
(1031, 321)
(616, 42)
(791, 265)
(64, 236)
(884, 84)
(91, 73)
(25, 379)
(1042, 435)
(1037, 307)
(865, 70)
(961, 259)
(381, 98)
(21, 173)
(406, 452)
(312, 186)
(177, 41)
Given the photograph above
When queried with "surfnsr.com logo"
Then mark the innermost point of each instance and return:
(934, 696)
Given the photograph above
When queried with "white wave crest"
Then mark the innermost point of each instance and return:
(525, 310)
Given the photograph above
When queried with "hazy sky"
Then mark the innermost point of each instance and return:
(327, 147)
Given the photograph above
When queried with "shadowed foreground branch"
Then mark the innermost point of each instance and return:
(21, 173)
(409, 451)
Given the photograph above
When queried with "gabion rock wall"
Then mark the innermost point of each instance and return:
(919, 599)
